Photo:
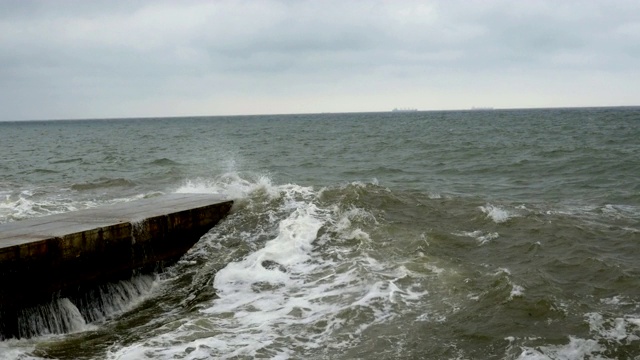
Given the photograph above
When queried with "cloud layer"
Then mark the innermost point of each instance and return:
(80, 59)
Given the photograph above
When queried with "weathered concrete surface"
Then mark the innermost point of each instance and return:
(47, 257)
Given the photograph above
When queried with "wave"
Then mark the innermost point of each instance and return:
(164, 162)
(25, 206)
(308, 267)
(302, 271)
(27, 203)
(605, 333)
(103, 183)
(66, 161)
(496, 213)
(479, 235)
(44, 171)
(577, 348)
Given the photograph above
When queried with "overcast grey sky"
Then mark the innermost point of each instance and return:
(100, 59)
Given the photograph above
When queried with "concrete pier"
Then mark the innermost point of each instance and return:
(47, 257)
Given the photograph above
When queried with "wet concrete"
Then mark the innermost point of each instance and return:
(48, 257)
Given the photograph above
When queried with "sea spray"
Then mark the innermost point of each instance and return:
(297, 286)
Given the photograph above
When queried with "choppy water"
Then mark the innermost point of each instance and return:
(439, 235)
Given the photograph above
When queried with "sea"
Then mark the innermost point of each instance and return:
(487, 234)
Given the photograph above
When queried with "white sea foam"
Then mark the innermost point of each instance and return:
(621, 211)
(516, 291)
(18, 208)
(344, 224)
(616, 300)
(230, 185)
(289, 251)
(576, 349)
(595, 214)
(497, 214)
(435, 195)
(434, 269)
(287, 293)
(502, 271)
(479, 235)
(25, 205)
(17, 350)
(619, 329)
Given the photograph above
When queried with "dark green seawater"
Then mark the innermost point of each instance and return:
(505, 234)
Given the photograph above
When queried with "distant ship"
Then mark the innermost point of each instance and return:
(481, 108)
(404, 110)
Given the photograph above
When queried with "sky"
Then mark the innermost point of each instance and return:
(81, 59)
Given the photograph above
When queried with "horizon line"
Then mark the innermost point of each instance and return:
(474, 109)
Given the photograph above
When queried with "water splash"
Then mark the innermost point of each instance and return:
(496, 213)
(302, 288)
(58, 317)
(76, 313)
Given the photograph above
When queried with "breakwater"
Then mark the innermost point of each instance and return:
(67, 256)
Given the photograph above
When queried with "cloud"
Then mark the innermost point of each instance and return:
(160, 58)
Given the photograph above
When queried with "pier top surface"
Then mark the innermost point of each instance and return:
(46, 227)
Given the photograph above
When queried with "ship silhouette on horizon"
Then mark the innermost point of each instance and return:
(404, 110)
